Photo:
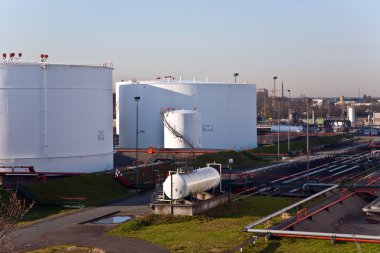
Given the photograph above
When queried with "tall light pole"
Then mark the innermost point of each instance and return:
(274, 92)
(307, 149)
(289, 123)
(235, 75)
(137, 99)
(278, 132)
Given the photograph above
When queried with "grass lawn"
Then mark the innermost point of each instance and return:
(68, 249)
(310, 246)
(220, 229)
(247, 158)
(96, 188)
(216, 230)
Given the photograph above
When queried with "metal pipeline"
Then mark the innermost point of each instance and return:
(373, 207)
(317, 235)
(310, 235)
(248, 227)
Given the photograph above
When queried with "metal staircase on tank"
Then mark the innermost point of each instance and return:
(178, 134)
(158, 194)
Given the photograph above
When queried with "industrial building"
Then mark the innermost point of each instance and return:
(55, 117)
(193, 114)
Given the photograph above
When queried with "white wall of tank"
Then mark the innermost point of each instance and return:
(56, 117)
(228, 112)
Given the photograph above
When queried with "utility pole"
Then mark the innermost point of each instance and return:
(137, 99)
(274, 93)
(289, 123)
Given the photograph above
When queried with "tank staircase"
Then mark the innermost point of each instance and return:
(158, 193)
(176, 133)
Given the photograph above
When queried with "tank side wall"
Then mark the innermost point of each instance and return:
(228, 112)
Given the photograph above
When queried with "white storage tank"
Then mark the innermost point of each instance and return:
(55, 117)
(352, 115)
(228, 112)
(286, 128)
(185, 184)
(182, 129)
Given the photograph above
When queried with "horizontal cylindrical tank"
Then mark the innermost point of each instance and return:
(286, 128)
(56, 117)
(197, 181)
(223, 106)
(183, 129)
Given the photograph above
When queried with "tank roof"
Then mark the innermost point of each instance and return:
(189, 82)
(19, 62)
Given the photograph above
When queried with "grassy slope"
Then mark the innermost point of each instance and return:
(310, 246)
(219, 229)
(97, 188)
(214, 231)
(247, 159)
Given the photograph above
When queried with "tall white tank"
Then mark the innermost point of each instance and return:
(55, 117)
(352, 115)
(197, 181)
(182, 129)
(228, 112)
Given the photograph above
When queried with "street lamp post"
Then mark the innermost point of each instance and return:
(289, 124)
(278, 131)
(230, 161)
(137, 99)
(274, 92)
(307, 149)
(235, 75)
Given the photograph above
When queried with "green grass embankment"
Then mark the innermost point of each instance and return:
(214, 231)
(220, 229)
(252, 158)
(96, 188)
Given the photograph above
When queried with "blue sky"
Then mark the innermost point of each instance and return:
(317, 47)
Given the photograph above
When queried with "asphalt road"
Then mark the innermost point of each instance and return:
(67, 229)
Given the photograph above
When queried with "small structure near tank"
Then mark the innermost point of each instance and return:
(189, 191)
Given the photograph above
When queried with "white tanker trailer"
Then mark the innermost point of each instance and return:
(185, 184)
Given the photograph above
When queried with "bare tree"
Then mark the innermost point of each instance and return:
(11, 213)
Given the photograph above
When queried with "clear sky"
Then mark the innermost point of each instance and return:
(317, 47)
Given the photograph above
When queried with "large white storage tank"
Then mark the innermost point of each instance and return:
(182, 129)
(55, 117)
(228, 112)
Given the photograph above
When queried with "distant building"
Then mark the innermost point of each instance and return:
(318, 101)
(262, 93)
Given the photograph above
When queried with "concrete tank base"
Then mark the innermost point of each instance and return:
(189, 209)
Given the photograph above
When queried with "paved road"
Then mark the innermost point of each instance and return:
(67, 229)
